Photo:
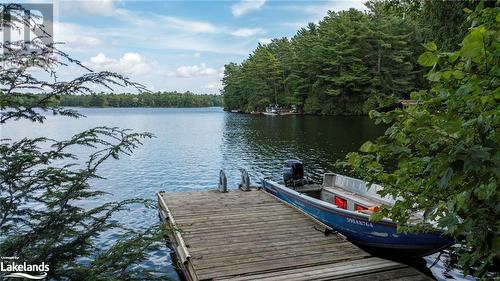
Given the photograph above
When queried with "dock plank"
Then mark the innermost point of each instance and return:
(344, 269)
(243, 236)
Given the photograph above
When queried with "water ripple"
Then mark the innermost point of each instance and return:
(192, 145)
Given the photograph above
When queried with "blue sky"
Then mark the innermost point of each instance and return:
(178, 45)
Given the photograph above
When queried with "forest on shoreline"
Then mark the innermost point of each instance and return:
(145, 99)
(350, 62)
(440, 158)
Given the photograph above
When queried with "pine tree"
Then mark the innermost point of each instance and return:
(42, 182)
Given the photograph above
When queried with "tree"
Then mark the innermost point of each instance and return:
(344, 47)
(305, 66)
(41, 218)
(394, 40)
(147, 99)
(283, 53)
(445, 21)
(348, 63)
(233, 86)
(441, 157)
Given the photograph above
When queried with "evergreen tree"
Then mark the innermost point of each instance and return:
(441, 157)
(43, 183)
(305, 67)
(349, 63)
(344, 49)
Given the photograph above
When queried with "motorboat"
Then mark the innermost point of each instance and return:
(345, 204)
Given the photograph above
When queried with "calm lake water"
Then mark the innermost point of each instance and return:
(192, 145)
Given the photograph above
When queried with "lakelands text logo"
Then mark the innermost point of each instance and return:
(15, 269)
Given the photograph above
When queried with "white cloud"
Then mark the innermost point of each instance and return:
(200, 44)
(188, 25)
(318, 11)
(94, 7)
(75, 36)
(130, 58)
(129, 63)
(296, 24)
(148, 30)
(99, 60)
(335, 5)
(214, 85)
(246, 32)
(137, 19)
(195, 70)
(246, 6)
(265, 40)
(322, 8)
(149, 47)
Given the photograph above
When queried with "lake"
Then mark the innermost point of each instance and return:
(192, 145)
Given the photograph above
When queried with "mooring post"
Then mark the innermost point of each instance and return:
(222, 181)
(245, 180)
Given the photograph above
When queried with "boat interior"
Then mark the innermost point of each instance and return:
(346, 193)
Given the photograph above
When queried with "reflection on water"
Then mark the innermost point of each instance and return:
(192, 145)
(262, 143)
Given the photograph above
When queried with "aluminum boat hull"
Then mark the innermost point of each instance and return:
(358, 228)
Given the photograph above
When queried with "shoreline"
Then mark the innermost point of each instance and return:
(292, 114)
(215, 106)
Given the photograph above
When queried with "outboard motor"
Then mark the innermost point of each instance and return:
(293, 173)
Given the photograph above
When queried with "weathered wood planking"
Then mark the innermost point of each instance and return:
(243, 236)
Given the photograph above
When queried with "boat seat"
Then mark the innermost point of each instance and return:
(308, 187)
(353, 196)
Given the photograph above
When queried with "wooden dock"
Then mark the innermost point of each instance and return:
(254, 236)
